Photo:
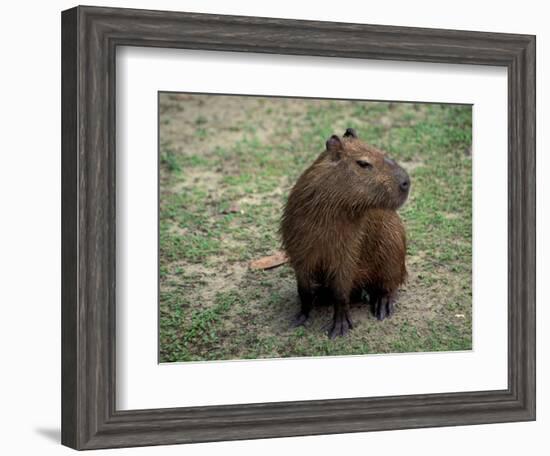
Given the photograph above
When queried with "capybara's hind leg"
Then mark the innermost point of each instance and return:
(356, 295)
(384, 305)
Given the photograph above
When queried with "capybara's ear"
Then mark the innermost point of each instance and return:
(350, 133)
(334, 147)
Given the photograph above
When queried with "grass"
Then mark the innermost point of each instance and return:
(227, 164)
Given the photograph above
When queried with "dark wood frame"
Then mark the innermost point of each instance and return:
(90, 36)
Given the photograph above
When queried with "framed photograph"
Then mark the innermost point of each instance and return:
(279, 228)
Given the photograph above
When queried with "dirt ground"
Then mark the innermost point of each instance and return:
(227, 164)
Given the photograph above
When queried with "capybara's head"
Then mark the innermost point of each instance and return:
(366, 177)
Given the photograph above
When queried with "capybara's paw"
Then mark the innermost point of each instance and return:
(384, 307)
(341, 325)
(299, 320)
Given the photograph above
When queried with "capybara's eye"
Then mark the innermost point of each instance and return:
(364, 164)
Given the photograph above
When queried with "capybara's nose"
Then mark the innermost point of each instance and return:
(405, 183)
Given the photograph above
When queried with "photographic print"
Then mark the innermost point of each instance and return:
(294, 234)
(299, 227)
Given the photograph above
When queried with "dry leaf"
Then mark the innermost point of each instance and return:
(269, 262)
(233, 209)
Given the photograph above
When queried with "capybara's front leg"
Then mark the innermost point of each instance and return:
(307, 296)
(384, 305)
(341, 322)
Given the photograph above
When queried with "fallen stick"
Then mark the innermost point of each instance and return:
(269, 262)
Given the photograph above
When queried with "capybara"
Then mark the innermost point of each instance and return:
(341, 232)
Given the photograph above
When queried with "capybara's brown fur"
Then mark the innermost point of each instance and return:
(341, 231)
